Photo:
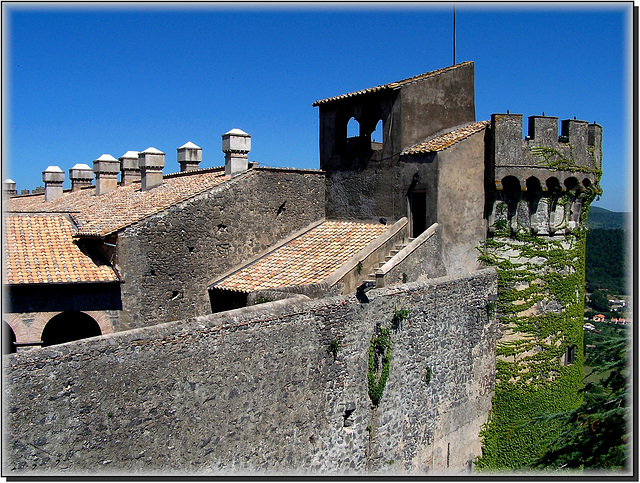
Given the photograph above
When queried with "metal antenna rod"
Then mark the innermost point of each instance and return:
(454, 33)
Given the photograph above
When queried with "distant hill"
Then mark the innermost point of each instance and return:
(605, 264)
(608, 220)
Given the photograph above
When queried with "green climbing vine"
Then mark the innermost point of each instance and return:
(379, 355)
(553, 159)
(540, 304)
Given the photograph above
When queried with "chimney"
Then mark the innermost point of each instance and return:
(129, 168)
(189, 156)
(151, 162)
(106, 169)
(236, 145)
(53, 178)
(9, 187)
(81, 176)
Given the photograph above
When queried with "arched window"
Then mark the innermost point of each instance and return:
(8, 339)
(533, 184)
(511, 184)
(553, 184)
(534, 188)
(571, 183)
(353, 128)
(69, 326)
(376, 135)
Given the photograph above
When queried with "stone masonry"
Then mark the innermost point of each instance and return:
(184, 248)
(257, 390)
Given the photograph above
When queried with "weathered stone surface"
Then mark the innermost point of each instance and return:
(169, 259)
(256, 390)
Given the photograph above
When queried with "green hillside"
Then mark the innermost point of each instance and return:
(606, 250)
(605, 267)
(608, 220)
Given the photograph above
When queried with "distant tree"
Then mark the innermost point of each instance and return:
(597, 434)
(605, 260)
(599, 301)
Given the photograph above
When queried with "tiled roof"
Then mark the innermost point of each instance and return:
(309, 258)
(443, 141)
(109, 212)
(392, 85)
(41, 249)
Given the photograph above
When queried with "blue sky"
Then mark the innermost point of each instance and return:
(83, 80)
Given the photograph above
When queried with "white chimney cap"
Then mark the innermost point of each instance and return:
(151, 150)
(9, 180)
(106, 157)
(189, 145)
(130, 154)
(54, 169)
(81, 166)
(236, 132)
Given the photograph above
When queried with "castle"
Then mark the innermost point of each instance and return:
(335, 320)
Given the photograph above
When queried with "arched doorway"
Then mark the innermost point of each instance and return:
(8, 339)
(68, 326)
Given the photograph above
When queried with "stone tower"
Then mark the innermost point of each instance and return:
(538, 194)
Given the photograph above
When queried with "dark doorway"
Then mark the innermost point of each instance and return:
(418, 207)
(8, 339)
(69, 326)
(223, 300)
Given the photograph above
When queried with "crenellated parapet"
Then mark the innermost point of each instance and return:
(543, 182)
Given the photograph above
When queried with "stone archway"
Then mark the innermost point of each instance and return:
(8, 339)
(69, 326)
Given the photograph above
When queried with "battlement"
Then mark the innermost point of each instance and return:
(567, 161)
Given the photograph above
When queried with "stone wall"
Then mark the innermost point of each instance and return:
(423, 261)
(169, 259)
(258, 390)
(461, 202)
(436, 103)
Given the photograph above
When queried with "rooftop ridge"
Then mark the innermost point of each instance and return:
(280, 168)
(445, 139)
(390, 85)
(180, 174)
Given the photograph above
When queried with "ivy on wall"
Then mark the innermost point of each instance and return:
(379, 363)
(553, 159)
(540, 304)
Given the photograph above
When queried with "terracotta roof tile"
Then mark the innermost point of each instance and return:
(443, 141)
(41, 249)
(309, 258)
(391, 85)
(107, 213)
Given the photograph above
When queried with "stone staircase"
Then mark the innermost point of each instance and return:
(371, 278)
